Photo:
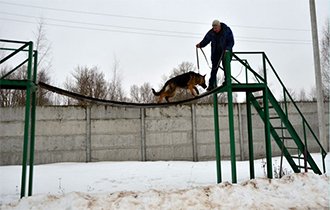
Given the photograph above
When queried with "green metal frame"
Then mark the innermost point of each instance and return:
(30, 86)
(268, 102)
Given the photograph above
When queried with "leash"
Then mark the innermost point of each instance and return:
(208, 64)
(197, 59)
(218, 66)
(206, 58)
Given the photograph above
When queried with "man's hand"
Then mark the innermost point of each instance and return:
(198, 46)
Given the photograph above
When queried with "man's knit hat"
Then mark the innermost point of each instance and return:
(215, 23)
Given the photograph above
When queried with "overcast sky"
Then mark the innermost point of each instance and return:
(151, 37)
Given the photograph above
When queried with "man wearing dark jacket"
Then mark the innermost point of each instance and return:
(222, 39)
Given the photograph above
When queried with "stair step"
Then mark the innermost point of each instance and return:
(292, 148)
(284, 137)
(258, 97)
(304, 167)
(297, 157)
(269, 107)
(274, 117)
(279, 128)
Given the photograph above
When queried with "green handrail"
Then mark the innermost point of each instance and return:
(14, 53)
(248, 67)
(24, 48)
(295, 105)
(14, 69)
(13, 41)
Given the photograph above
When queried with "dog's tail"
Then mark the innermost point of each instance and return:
(155, 93)
(162, 90)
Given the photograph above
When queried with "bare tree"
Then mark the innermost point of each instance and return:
(44, 64)
(43, 46)
(302, 95)
(184, 67)
(312, 94)
(325, 61)
(15, 97)
(292, 93)
(115, 91)
(141, 94)
(43, 96)
(87, 82)
(5, 94)
(135, 93)
(325, 65)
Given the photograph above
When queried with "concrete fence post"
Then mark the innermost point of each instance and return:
(88, 134)
(143, 134)
(240, 131)
(194, 132)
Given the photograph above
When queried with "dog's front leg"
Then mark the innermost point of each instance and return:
(195, 88)
(192, 90)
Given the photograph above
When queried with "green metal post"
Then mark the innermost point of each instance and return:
(246, 73)
(27, 122)
(249, 125)
(267, 135)
(285, 103)
(264, 67)
(282, 132)
(305, 147)
(267, 122)
(217, 136)
(250, 134)
(33, 122)
(304, 130)
(231, 116)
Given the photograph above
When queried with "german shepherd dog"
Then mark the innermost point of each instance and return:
(187, 80)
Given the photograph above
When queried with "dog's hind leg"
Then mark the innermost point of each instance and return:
(170, 93)
(160, 98)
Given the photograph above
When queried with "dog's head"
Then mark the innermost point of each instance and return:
(201, 81)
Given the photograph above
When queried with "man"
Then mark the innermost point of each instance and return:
(222, 39)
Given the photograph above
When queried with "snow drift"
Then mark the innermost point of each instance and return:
(294, 191)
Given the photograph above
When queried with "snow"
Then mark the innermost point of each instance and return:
(163, 185)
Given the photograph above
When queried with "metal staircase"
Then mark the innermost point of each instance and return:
(293, 148)
(293, 141)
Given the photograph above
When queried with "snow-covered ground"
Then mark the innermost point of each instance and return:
(163, 185)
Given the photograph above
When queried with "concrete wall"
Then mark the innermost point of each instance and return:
(104, 133)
